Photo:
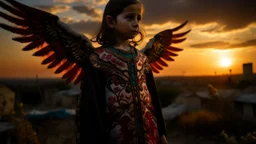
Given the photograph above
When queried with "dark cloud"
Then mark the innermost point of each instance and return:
(214, 44)
(248, 43)
(225, 45)
(54, 9)
(90, 11)
(234, 14)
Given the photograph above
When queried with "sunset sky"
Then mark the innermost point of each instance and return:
(222, 37)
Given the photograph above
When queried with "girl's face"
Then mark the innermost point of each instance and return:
(127, 24)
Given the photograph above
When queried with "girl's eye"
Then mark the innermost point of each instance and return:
(129, 17)
(139, 18)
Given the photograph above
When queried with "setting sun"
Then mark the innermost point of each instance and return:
(225, 62)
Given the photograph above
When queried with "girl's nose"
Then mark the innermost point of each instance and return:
(136, 24)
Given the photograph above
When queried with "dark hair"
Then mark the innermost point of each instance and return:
(113, 9)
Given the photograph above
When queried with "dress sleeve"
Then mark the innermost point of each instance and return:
(156, 103)
(91, 110)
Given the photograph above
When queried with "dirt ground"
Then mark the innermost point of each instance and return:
(190, 140)
(62, 131)
(55, 131)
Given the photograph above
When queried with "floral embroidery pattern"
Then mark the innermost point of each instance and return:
(121, 95)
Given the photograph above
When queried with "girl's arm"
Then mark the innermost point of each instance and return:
(156, 103)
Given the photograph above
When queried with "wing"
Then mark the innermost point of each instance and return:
(159, 49)
(60, 47)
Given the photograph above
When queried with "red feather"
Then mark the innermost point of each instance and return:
(71, 74)
(170, 53)
(19, 6)
(33, 45)
(43, 51)
(49, 59)
(158, 67)
(180, 26)
(11, 10)
(20, 31)
(63, 67)
(154, 69)
(166, 57)
(13, 20)
(171, 48)
(163, 63)
(178, 40)
(79, 77)
(180, 34)
(55, 63)
(27, 39)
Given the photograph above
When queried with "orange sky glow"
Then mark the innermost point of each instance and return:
(214, 46)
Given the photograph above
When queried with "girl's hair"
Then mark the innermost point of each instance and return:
(105, 36)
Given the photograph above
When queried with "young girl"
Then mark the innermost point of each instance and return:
(125, 107)
(119, 101)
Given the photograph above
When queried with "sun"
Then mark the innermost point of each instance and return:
(225, 62)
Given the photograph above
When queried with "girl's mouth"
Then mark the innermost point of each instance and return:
(136, 32)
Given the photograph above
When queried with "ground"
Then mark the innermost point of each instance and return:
(62, 131)
(55, 131)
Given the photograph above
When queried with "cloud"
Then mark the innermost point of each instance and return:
(88, 10)
(100, 2)
(214, 44)
(230, 15)
(66, 1)
(54, 9)
(225, 45)
(87, 27)
(247, 43)
(68, 19)
(94, 2)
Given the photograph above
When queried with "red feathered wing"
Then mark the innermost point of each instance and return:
(160, 48)
(61, 48)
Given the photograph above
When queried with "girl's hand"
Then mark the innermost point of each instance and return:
(163, 140)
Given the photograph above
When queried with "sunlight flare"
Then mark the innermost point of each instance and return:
(225, 62)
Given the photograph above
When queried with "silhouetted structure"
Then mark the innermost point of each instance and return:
(248, 77)
(247, 71)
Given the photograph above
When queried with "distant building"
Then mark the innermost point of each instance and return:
(190, 99)
(247, 71)
(245, 105)
(248, 77)
(65, 98)
(193, 100)
(201, 99)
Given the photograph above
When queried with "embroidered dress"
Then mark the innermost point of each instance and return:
(130, 115)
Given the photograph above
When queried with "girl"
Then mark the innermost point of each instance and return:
(126, 108)
(119, 101)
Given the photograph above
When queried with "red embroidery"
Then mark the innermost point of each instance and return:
(126, 131)
(115, 80)
(108, 57)
(112, 100)
(117, 62)
(151, 128)
(140, 64)
(99, 50)
(116, 90)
